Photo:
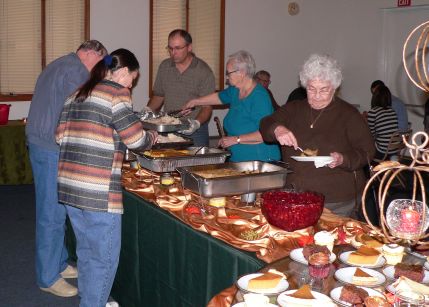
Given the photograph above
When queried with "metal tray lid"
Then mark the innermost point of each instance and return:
(194, 151)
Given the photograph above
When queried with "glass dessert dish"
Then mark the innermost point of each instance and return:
(318, 265)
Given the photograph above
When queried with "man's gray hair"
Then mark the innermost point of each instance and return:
(322, 67)
(93, 45)
(243, 61)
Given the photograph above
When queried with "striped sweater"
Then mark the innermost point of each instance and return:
(93, 136)
(382, 123)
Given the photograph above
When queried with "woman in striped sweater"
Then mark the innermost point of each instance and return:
(382, 120)
(96, 125)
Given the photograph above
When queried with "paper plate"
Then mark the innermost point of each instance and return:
(285, 300)
(243, 281)
(345, 275)
(345, 256)
(336, 293)
(389, 271)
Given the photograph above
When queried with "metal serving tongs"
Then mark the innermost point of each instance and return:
(178, 113)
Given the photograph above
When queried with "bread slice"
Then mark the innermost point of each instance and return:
(364, 256)
(360, 277)
(265, 281)
(303, 293)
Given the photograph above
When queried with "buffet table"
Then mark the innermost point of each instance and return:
(15, 167)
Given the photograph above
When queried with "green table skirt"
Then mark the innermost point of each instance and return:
(166, 263)
(15, 167)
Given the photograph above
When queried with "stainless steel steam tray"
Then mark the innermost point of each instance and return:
(255, 176)
(166, 127)
(197, 156)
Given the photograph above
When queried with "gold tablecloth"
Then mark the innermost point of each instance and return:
(227, 223)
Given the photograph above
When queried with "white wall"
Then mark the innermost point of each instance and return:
(349, 30)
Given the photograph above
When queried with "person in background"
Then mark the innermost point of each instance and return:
(329, 125)
(248, 103)
(263, 77)
(56, 82)
(180, 78)
(96, 125)
(397, 105)
(382, 120)
(298, 93)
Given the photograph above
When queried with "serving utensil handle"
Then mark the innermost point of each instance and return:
(219, 127)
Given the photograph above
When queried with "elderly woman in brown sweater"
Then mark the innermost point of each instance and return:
(333, 127)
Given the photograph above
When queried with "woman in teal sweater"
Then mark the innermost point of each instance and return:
(248, 103)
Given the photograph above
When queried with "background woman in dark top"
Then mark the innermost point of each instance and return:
(382, 120)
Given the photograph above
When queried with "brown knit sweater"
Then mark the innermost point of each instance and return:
(340, 128)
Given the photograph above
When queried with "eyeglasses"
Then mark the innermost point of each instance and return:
(324, 91)
(227, 73)
(171, 49)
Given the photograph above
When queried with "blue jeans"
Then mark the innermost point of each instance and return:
(51, 253)
(98, 243)
(201, 136)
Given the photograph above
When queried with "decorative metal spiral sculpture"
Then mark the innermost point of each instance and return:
(405, 220)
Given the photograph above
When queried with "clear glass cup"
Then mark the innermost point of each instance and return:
(408, 299)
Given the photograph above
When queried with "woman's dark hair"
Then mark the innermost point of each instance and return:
(381, 98)
(116, 60)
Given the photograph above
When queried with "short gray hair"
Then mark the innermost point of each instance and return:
(322, 67)
(94, 45)
(243, 61)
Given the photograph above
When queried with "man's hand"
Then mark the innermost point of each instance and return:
(193, 126)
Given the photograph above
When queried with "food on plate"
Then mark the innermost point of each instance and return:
(376, 301)
(309, 152)
(368, 240)
(255, 300)
(166, 153)
(303, 293)
(223, 172)
(405, 284)
(310, 249)
(353, 295)
(267, 280)
(164, 120)
(364, 256)
(412, 271)
(393, 253)
(360, 277)
(319, 265)
(325, 238)
(170, 138)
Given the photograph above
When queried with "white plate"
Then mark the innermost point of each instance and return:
(285, 300)
(243, 281)
(345, 256)
(345, 275)
(243, 304)
(392, 290)
(389, 271)
(297, 255)
(336, 293)
(327, 159)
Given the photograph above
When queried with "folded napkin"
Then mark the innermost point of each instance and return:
(322, 161)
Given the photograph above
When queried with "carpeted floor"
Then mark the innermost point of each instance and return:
(17, 273)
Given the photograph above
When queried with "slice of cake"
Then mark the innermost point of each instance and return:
(353, 295)
(406, 284)
(364, 256)
(303, 293)
(412, 271)
(265, 281)
(361, 277)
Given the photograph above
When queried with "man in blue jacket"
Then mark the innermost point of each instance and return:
(58, 80)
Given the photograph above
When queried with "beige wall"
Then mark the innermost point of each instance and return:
(349, 30)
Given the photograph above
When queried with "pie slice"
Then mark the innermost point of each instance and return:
(265, 281)
(364, 256)
(303, 293)
(361, 277)
(368, 241)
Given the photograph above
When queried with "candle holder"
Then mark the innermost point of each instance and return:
(405, 220)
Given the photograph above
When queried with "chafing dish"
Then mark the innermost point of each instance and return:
(256, 176)
(184, 124)
(197, 156)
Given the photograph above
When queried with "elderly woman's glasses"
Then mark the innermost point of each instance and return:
(227, 73)
(324, 91)
(177, 48)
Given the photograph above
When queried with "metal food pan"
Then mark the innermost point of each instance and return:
(204, 155)
(166, 127)
(270, 176)
(186, 143)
